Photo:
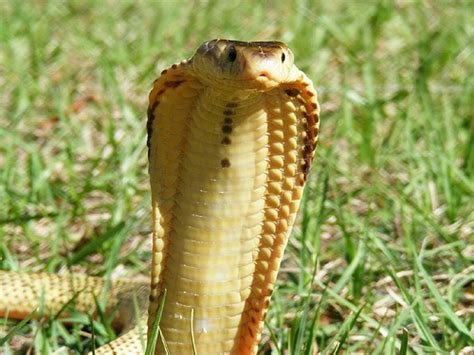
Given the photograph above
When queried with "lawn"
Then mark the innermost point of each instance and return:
(381, 258)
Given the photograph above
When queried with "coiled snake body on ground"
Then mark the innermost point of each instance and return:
(231, 137)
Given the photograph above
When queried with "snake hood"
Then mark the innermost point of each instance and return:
(243, 65)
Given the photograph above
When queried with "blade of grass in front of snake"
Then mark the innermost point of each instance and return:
(151, 344)
(165, 346)
(193, 340)
(91, 322)
(66, 305)
(17, 327)
(102, 317)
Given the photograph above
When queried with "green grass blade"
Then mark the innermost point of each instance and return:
(155, 330)
(404, 343)
(93, 336)
(447, 311)
(193, 339)
(17, 327)
(93, 245)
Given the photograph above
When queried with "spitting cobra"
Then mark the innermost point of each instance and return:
(231, 137)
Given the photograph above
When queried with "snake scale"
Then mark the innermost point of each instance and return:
(231, 136)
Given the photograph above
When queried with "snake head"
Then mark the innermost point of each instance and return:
(243, 65)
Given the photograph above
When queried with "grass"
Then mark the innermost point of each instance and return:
(381, 258)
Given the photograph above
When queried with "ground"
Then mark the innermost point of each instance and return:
(381, 258)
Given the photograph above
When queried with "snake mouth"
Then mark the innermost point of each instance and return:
(264, 78)
(265, 81)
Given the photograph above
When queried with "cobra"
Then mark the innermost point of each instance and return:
(231, 136)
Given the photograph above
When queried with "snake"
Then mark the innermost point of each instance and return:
(232, 133)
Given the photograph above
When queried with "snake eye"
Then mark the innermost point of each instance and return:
(283, 57)
(232, 54)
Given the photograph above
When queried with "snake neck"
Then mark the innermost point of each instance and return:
(227, 170)
(208, 209)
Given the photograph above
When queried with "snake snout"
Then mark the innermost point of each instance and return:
(261, 69)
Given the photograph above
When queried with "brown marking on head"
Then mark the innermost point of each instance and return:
(228, 120)
(251, 331)
(225, 163)
(316, 118)
(229, 112)
(252, 318)
(173, 84)
(308, 151)
(226, 140)
(232, 105)
(292, 92)
(311, 119)
(310, 122)
(269, 291)
(149, 123)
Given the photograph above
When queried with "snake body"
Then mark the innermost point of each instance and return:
(231, 137)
